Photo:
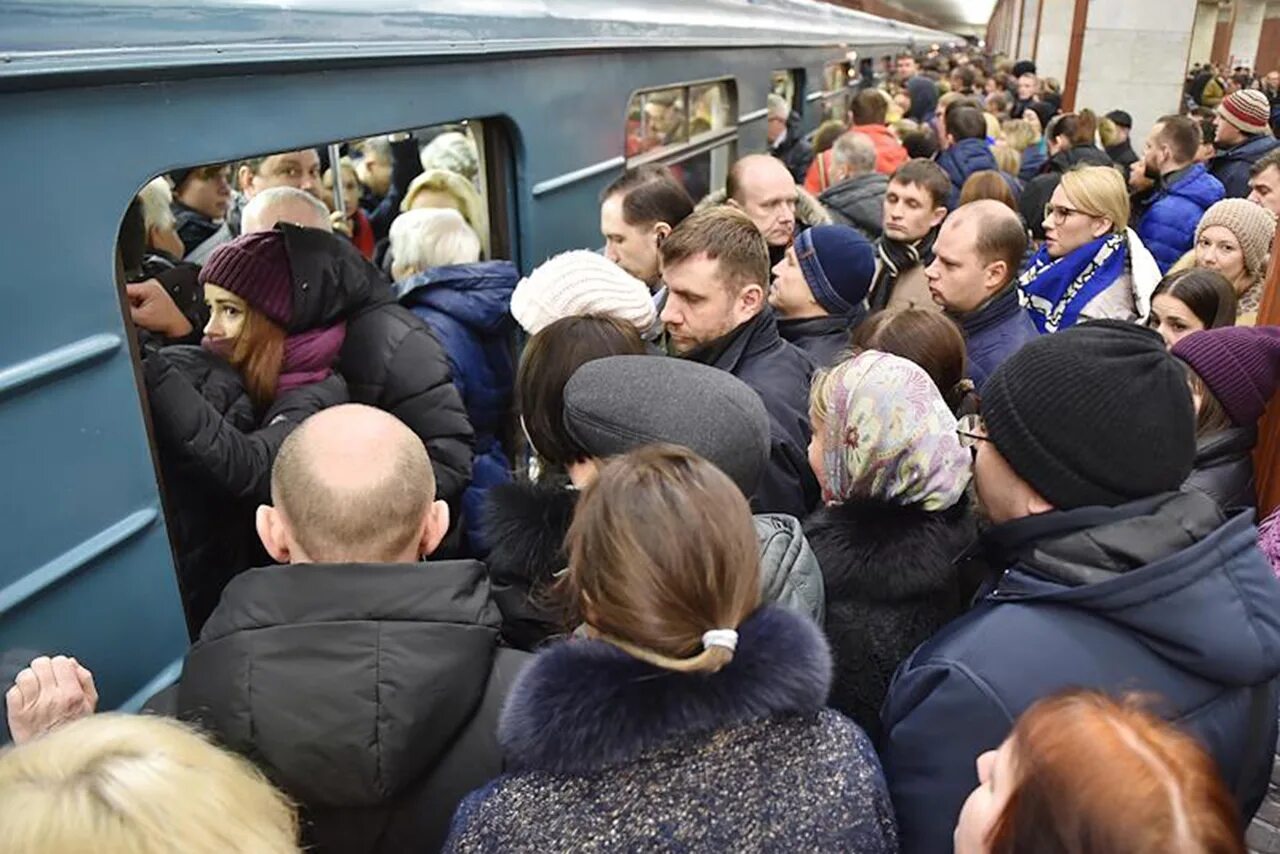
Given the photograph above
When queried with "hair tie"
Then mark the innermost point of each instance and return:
(727, 638)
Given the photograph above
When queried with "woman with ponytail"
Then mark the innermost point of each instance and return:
(684, 715)
(220, 411)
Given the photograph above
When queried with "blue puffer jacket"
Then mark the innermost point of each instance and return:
(1165, 596)
(966, 157)
(1168, 227)
(467, 306)
(1232, 166)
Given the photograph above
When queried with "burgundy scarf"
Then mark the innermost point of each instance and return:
(308, 356)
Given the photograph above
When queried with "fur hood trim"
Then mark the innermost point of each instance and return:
(584, 705)
(809, 211)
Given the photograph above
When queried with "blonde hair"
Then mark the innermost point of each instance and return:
(1099, 191)
(124, 784)
(156, 199)
(993, 126)
(1020, 134)
(470, 204)
(1007, 158)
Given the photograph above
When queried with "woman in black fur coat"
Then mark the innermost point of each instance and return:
(893, 478)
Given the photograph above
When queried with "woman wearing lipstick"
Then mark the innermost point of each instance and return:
(1091, 265)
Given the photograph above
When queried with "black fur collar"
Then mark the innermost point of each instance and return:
(887, 552)
(584, 705)
(525, 524)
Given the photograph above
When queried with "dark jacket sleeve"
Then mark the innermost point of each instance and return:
(937, 720)
(419, 390)
(238, 461)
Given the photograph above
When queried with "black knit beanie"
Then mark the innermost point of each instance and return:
(1099, 414)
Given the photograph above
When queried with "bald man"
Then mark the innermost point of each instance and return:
(975, 259)
(284, 204)
(366, 683)
(761, 187)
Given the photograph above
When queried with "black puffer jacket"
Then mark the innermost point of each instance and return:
(369, 692)
(215, 455)
(1224, 469)
(794, 152)
(390, 359)
(890, 584)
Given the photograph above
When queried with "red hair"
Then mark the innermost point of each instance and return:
(1100, 776)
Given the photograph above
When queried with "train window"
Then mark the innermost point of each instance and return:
(785, 83)
(691, 127)
(836, 77)
(357, 186)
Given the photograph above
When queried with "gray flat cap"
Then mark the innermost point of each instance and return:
(615, 404)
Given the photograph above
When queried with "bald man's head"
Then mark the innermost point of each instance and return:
(1000, 234)
(284, 204)
(761, 186)
(978, 252)
(352, 484)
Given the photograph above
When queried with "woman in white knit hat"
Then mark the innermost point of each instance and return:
(581, 282)
(1234, 238)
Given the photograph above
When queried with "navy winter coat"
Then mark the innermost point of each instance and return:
(779, 372)
(993, 333)
(1232, 166)
(468, 307)
(964, 158)
(1168, 228)
(823, 339)
(1033, 159)
(1163, 596)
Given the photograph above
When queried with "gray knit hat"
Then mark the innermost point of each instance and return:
(1253, 225)
(619, 403)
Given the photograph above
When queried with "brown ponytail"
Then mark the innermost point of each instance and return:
(661, 550)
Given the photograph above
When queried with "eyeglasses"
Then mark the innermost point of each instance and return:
(971, 429)
(1059, 213)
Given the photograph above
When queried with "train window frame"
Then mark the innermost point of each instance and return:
(795, 90)
(721, 142)
(836, 97)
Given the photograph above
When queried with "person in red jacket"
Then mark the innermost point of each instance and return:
(867, 115)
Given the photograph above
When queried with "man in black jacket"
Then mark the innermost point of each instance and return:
(716, 266)
(367, 684)
(856, 194)
(786, 140)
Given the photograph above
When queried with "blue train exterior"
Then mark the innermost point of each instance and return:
(98, 98)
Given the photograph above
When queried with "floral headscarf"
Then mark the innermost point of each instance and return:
(888, 435)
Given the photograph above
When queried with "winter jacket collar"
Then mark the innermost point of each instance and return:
(1168, 570)
(1225, 445)
(407, 649)
(993, 312)
(1064, 161)
(584, 705)
(745, 341)
(1194, 183)
(478, 295)
(823, 338)
(853, 190)
(1249, 150)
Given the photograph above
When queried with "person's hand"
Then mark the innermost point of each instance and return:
(151, 308)
(340, 223)
(49, 693)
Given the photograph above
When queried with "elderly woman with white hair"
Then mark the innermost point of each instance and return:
(466, 302)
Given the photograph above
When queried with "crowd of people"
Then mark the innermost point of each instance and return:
(896, 497)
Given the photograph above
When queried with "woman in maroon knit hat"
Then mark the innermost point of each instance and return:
(221, 411)
(1233, 372)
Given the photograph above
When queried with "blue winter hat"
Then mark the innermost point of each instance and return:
(838, 264)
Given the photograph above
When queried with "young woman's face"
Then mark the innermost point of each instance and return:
(1172, 319)
(226, 314)
(985, 803)
(1218, 249)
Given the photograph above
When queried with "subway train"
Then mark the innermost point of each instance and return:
(97, 98)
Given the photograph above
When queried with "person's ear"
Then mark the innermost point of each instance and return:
(660, 232)
(939, 214)
(1104, 226)
(733, 203)
(751, 298)
(435, 524)
(244, 177)
(273, 531)
(996, 274)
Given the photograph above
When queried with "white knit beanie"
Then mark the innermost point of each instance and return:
(580, 282)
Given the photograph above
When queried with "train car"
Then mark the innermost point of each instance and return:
(99, 97)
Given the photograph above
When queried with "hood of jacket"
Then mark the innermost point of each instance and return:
(331, 279)
(584, 705)
(347, 681)
(1170, 570)
(478, 295)
(859, 189)
(789, 571)
(881, 552)
(809, 211)
(1197, 186)
(965, 157)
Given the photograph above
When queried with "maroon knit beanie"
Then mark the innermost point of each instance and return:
(254, 267)
(1239, 364)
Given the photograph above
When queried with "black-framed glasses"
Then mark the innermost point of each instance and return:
(971, 429)
(1059, 213)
